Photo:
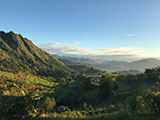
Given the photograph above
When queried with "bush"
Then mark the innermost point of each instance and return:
(108, 84)
(49, 104)
(150, 102)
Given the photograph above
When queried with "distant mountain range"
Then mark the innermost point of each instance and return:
(103, 58)
(128, 72)
(20, 54)
(111, 66)
(82, 65)
(134, 65)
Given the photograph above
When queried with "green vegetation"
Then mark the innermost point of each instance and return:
(106, 96)
(34, 85)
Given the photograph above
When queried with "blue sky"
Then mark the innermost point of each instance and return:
(86, 26)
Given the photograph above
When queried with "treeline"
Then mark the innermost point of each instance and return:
(150, 75)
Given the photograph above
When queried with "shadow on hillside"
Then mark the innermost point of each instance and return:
(11, 106)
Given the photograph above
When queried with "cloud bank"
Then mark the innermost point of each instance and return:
(57, 48)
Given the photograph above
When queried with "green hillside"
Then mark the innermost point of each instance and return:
(20, 54)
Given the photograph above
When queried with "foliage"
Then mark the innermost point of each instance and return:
(153, 74)
(22, 95)
(108, 84)
(49, 103)
(151, 102)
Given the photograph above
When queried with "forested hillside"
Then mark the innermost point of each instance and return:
(18, 54)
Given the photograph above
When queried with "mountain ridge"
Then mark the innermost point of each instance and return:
(113, 65)
(20, 54)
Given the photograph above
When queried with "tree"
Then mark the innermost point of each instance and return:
(63, 82)
(151, 103)
(49, 103)
(85, 81)
(107, 84)
(152, 74)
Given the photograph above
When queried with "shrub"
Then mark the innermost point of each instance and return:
(49, 103)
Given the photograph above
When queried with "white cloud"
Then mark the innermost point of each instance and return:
(130, 35)
(122, 51)
(63, 49)
(56, 48)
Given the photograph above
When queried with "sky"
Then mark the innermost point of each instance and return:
(92, 27)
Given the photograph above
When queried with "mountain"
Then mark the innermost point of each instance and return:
(75, 60)
(110, 66)
(139, 65)
(129, 72)
(113, 65)
(144, 63)
(101, 58)
(81, 65)
(20, 54)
